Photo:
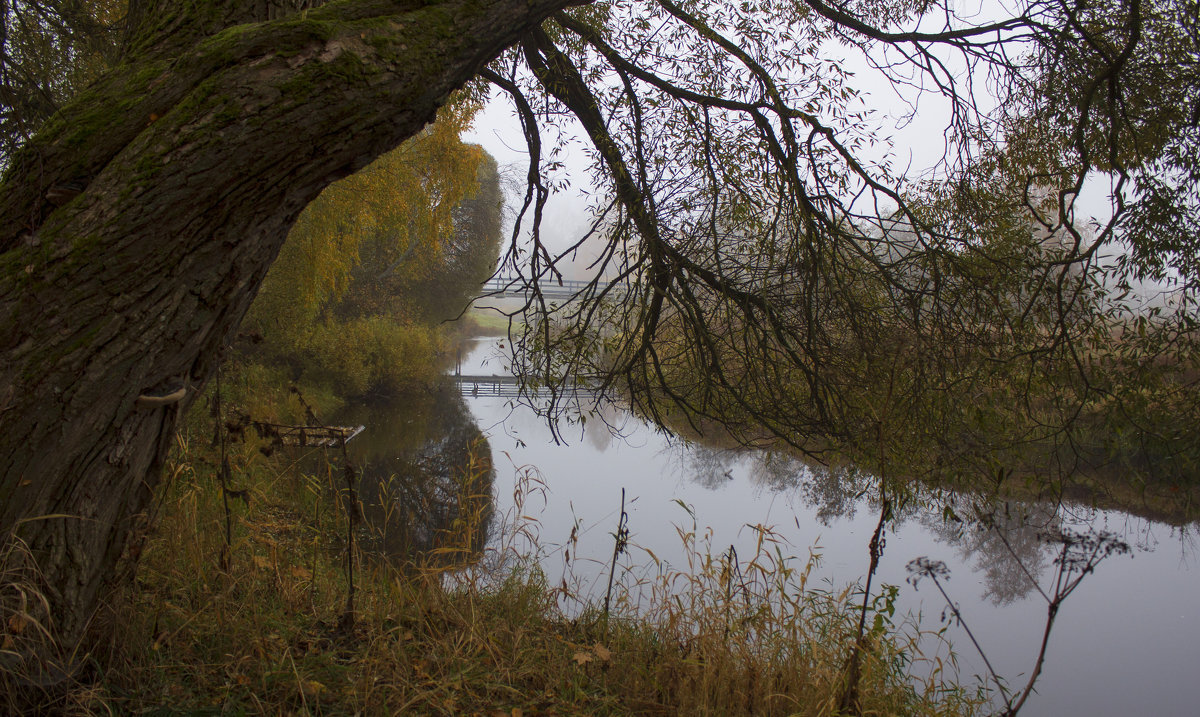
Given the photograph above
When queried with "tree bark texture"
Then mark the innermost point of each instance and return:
(137, 226)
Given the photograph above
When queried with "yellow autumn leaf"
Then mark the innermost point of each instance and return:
(582, 658)
(602, 652)
(311, 688)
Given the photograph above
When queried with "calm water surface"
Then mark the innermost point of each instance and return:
(1127, 642)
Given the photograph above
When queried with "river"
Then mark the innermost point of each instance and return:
(1126, 642)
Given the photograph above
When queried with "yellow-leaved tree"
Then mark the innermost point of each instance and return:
(352, 305)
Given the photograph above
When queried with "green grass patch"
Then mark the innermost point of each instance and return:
(489, 323)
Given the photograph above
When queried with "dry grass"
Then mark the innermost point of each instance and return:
(37, 673)
(268, 634)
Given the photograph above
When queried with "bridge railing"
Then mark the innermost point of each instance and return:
(504, 386)
(515, 286)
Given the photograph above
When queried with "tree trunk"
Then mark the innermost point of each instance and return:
(192, 160)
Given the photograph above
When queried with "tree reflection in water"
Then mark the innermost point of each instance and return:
(1006, 544)
(832, 491)
(427, 479)
(1003, 539)
(705, 466)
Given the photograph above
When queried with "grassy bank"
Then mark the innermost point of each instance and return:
(489, 322)
(262, 624)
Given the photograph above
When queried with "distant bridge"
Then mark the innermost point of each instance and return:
(503, 386)
(506, 386)
(511, 287)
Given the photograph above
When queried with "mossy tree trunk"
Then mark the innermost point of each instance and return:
(136, 227)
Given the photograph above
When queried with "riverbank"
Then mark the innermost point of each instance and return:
(241, 603)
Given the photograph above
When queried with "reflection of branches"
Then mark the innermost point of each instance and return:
(1004, 545)
(833, 490)
(1078, 555)
(705, 466)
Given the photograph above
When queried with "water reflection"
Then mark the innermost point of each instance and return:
(1001, 540)
(427, 479)
(707, 467)
(833, 491)
(1004, 543)
(1133, 617)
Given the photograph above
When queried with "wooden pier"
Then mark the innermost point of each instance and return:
(314, 436)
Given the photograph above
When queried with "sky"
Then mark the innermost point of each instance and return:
(566, 216)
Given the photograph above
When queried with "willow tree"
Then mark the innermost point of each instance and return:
(396, 212)
(373, 265)
(794, 285)
(744, 208)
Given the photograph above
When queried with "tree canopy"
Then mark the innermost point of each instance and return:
(787, 277)
(47, 52)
